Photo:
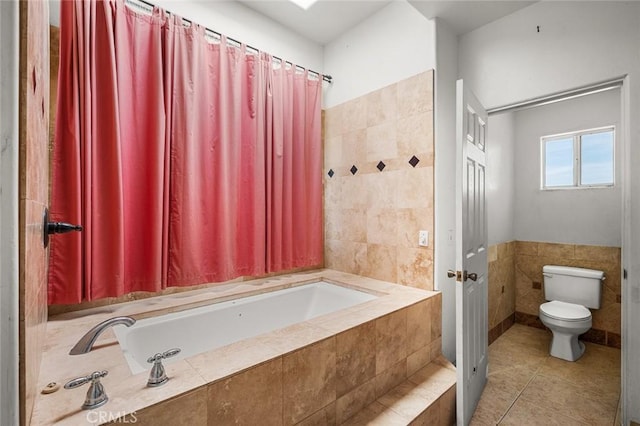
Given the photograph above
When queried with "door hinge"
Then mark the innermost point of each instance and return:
(624, 273)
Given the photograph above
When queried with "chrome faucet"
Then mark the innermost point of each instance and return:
(85, 344)
(96, 396)
(157, 375)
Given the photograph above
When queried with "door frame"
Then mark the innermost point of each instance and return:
(627, 312)
(627, 292)
(9, 211)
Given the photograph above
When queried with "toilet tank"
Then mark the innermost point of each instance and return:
(573, 285)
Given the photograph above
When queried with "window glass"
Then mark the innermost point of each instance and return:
(559, 162)
(596, 152)
(579, 159)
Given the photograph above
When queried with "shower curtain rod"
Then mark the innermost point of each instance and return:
(326, 78)
(562, 96)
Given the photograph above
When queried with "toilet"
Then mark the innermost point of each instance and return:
(570, 291)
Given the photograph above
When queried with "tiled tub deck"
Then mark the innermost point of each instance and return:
(321, 371)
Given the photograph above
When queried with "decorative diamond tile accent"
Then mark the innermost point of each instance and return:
(354, 169)
(381, 166)
(331, 173)
(414, 161)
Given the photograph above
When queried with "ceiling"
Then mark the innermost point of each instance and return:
(465, 16)
(325, 20)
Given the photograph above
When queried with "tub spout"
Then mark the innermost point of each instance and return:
(85, 344)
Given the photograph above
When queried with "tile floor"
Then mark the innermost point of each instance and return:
(526, 386)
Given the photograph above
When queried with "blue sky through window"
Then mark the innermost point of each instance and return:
(559, 162)
(597, 159)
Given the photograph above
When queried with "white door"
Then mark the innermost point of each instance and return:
(471, 253)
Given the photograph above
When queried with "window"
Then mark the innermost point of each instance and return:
(580, 159)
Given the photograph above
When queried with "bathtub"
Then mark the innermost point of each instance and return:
(333, 364)
(209, 327)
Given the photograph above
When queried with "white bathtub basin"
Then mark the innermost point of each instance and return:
(209, 327)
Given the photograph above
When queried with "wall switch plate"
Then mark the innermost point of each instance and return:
(423, 238)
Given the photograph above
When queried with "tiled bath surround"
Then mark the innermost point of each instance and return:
(378, 183)
(331, 379)
(321, 371)
(532, 256)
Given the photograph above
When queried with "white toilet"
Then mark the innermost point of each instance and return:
(570, 291)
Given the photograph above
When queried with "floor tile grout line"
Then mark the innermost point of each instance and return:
(539, 372)
(535, 373)
(574, 383)
(544, 369)
(570, 382)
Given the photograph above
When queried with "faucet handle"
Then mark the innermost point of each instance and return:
(96, 396)
(171, 352)
(167, 354)
(157, 375)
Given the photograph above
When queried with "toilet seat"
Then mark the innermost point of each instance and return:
(565, 311)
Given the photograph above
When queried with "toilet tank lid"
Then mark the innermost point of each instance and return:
(576, 272)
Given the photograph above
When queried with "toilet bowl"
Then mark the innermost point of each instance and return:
(570, 292)
(566, 321)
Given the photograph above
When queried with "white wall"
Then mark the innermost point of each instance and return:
(9, 38)
(579, 43)
(395, 43)
(445, 179)
(500, 183)
(580, 216)
(241, 23)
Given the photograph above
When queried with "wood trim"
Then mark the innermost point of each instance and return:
(33, 195)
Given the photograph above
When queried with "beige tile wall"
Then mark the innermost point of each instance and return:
(502, 290)
(372, 217)
(322, 384)
(532, 256)
(188, 409)
(515, 285)
(34, 185)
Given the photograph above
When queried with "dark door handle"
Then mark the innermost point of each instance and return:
(55, 227)
(462, 276)
(62, 227)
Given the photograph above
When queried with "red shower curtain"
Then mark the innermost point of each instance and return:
(109, 159)
(217, 202)
(186, 162)
(294, 165)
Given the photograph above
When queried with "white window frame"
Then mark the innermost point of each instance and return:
(577, 160)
